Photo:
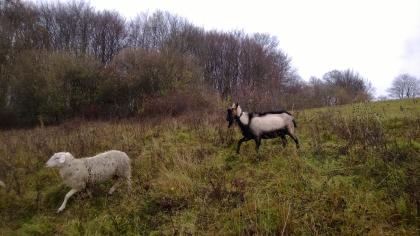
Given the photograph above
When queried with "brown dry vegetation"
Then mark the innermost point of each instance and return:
(356, 173)
(66, 60)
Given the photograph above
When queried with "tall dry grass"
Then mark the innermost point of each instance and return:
(187, 178)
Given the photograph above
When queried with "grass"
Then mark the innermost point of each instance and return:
(356, 173)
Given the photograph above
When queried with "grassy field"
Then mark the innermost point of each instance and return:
(357, 172)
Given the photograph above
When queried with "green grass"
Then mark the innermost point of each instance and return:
(389, 109)
(187, 178)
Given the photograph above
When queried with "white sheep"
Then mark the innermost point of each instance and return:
(82, 172)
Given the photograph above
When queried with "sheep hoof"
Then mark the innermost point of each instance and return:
(60, 210)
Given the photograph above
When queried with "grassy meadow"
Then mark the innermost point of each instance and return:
(357, 173)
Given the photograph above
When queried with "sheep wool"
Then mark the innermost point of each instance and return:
(2, 184)
(79, 173)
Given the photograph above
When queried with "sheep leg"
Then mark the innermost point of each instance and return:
(129, 183)
(66, 198)
(89, 192)
(112, 189)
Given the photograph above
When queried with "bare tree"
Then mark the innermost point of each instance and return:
(57, 60)
(153, 31)
(109, 35)
(404, 86)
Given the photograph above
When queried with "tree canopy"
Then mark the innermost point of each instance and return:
(61, 60)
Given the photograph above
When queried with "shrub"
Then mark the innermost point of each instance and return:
(177, 102)
(362, 128)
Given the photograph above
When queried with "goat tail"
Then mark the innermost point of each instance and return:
(294, 123)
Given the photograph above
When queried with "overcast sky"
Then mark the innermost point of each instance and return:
(377, 38)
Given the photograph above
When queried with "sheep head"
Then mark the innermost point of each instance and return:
(58, 159)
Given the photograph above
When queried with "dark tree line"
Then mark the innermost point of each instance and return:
(62, 60)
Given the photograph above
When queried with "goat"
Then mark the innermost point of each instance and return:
(265, 125)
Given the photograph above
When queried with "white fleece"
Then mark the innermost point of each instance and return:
(82, 172)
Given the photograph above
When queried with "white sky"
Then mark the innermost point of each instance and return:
(380, 39)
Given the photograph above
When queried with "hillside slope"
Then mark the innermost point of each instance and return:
(356, 173)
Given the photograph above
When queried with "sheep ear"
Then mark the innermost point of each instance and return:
(237, 105)
(62, 159)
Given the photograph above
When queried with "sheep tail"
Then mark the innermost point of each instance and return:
(294, 123)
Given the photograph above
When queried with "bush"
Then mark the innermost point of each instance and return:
(362, 128)
(49, 87)
(177, 102)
